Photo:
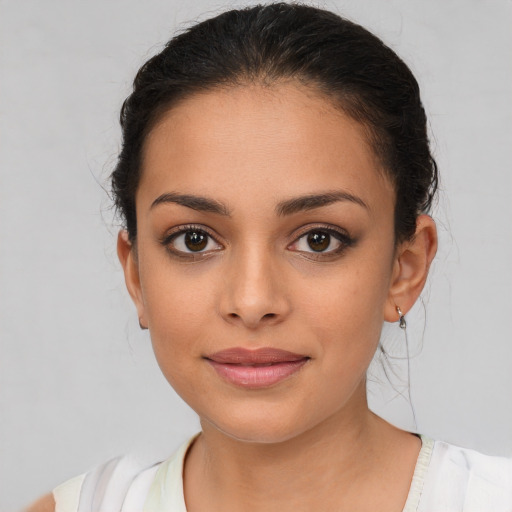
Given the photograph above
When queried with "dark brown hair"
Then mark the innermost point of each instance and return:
(266, 43)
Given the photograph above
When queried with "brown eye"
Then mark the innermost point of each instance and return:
(191, 240)
(322, 243)
(196, 240)
(318, 241)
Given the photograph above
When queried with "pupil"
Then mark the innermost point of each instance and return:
(195, 241)
(319, 241)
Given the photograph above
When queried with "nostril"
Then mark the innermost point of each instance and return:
(267, 316)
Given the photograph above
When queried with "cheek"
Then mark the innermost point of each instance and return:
(346, 313)
(179, 307)
(175, 296)
(347, 299)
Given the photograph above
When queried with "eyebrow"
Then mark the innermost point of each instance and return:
(199, 203)
(284, 208)
(313, 201)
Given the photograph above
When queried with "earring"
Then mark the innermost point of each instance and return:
(401, 319)
(403, 325)
(143, 327)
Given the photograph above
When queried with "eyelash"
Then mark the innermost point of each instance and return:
(344, 239)
(338, 234)
(178, 231)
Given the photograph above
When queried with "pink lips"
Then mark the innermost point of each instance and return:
(257, 368)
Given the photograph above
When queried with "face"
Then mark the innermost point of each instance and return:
(265, 258)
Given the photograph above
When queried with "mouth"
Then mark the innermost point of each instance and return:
(259, 368)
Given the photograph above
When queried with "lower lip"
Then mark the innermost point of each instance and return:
(254, 377)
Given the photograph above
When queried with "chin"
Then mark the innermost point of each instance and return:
(263, 429)
(262, 435)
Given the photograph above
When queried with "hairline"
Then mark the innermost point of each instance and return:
(344, 103)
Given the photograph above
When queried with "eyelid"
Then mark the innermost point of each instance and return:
(337, 232)
(182, 228)
(330, 228)
(177, 231)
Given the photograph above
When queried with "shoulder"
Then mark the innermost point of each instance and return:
(124, 483)
(106, 487)
(44, 504)
(459, 477)
(460, 462)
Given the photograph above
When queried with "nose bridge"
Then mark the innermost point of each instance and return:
(255, 292)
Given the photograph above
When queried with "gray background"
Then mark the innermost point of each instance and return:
(78, 382)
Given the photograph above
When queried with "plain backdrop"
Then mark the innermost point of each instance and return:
(78, 381)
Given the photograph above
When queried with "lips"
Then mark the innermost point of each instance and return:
(257, 368)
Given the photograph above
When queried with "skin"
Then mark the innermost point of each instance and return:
(311, 438)
(44, 504)
(259, 284)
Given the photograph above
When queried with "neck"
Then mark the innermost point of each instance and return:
(341, 453)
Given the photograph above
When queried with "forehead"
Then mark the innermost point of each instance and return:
(282, 140)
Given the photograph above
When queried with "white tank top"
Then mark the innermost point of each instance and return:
(446, 479)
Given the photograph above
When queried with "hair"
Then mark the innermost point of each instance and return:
(266, 44)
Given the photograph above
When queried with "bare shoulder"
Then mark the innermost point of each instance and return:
(43, 504)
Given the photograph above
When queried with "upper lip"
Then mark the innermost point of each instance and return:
(264, 355)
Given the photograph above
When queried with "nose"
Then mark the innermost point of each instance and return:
(254, 293)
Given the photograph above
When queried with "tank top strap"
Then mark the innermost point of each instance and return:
(103, 489)
(166, 492)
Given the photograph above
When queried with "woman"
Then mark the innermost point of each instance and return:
(275, 181)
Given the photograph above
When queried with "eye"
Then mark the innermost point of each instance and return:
(322, 241)
(319, 241)
(189, 241)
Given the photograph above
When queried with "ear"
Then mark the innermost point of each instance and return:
(127, 254)
(410, 268)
